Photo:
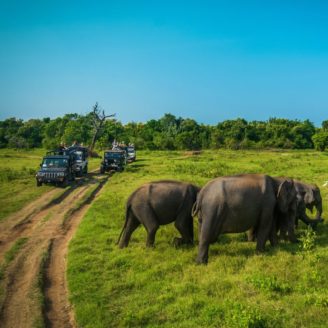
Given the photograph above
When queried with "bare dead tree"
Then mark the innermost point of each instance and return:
(98, 118)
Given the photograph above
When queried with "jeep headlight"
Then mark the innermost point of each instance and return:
(61, 174)
(40, 174)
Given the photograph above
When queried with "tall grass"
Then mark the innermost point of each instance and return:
(163, 287)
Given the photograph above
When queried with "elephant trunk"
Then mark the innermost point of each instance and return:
(318, 207)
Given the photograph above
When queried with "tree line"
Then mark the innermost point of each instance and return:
(167, 133)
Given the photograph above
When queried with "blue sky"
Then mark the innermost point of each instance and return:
(207, 60)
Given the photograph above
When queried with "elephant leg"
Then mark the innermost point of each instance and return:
(283, 232)
(296, 222)
(184, 224)
(291, 227)
(251, 234)
(211, 227)
(273, 235)
(200, 222)
(132, 225)
(202, 257)
(151, 229)
(264, 229)
(315, 222)
(147, 217)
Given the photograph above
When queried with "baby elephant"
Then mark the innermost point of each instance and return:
(158, 203)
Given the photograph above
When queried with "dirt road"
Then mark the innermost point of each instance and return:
(33, 288)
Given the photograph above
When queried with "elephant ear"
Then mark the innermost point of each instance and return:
(300, 197)
(309, 196)
(317, 195)
(284, 195)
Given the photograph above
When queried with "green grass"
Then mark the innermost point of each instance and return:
(163, 287)
(17, 178)
(10, 255)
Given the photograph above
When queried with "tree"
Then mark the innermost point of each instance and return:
(324, 125)
(32, 132)
(98, 118)
(79, 130)
(8, 131)
(320, 140)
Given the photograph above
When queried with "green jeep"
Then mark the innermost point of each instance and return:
(113, 160)
(57, 168)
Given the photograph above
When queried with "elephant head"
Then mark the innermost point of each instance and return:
(312, 197)
(286, 195)
(286, 208)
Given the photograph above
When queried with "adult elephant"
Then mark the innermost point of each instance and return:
(235, 204)
(159, 203)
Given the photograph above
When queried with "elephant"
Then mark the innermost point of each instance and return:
(308, 196)
(235, 204)
(159, 203)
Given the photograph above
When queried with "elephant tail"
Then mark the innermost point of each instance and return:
(128, 207)
(195, 208)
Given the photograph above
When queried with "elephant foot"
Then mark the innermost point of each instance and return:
(259, 250)
(283, 238)
(121, 246)
(315, 222)
(177, 242)
(201, 261)
(274, 242)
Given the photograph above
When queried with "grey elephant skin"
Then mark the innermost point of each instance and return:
(159, 203)
(238, 203)
(308, 196)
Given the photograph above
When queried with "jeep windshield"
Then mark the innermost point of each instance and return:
(130, 150)
(113, 155)
(54, 162)
(79, 155)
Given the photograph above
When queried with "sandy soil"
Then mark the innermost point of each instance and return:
(33, 291)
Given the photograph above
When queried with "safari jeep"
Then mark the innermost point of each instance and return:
(113, 160)
(131, 153)
(81, 159)
(57, 168)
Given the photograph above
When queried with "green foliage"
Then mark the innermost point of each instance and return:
(269, 284)
(10, 255)
(242, 316)
(320, 140)
(308, 240)
(17, 179)
(166, 133)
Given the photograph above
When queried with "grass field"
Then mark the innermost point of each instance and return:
(17, 178)
(163, 287)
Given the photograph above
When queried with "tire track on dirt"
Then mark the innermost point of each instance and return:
(25, 227)
(20, 305)
(58, 311)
